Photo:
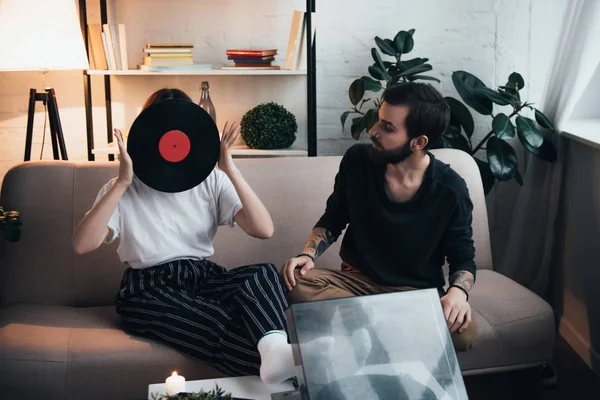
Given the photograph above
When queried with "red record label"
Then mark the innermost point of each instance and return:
(174, 146)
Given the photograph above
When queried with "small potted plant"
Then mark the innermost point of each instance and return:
(10, 225)
(216, 394)
(269, 126)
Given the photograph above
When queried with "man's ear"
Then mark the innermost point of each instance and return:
(420, 142)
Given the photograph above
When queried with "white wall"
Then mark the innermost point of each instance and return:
(589, 104)
(489, 38)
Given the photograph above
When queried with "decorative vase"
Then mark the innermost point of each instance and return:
(206, 103)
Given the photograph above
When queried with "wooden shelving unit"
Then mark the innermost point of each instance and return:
(310, 73)
(137, 72)
(237, 151)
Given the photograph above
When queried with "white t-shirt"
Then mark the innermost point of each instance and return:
(156, 227)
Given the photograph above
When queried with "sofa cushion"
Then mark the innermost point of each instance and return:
(516, 327)
(76, 353)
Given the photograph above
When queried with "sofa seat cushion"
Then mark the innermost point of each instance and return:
(73, 353)
(516, 327)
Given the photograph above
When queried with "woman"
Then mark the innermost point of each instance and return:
(232, 320)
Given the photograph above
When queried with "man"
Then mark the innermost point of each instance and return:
(406, 212)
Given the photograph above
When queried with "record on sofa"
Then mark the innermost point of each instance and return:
(174, 145)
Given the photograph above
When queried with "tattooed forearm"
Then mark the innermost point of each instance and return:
(319, 241)
(464, 279)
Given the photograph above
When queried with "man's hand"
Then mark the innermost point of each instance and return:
(306, 263)
(456, 310)
(231, 133)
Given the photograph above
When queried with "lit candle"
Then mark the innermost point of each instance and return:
(175, 384)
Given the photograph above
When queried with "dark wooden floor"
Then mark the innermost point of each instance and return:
(575, 381)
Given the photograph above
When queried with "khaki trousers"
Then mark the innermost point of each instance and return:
(322, 284)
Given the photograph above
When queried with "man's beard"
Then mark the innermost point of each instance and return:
(394, 156)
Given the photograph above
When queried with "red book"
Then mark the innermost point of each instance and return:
(242, 57)
(243, 52)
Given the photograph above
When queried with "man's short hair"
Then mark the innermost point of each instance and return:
(428, 112)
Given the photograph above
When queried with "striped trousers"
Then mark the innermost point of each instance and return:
(205, 311)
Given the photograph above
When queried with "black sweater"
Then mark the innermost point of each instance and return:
(400, 244)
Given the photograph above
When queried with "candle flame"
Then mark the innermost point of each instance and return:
(174, 373)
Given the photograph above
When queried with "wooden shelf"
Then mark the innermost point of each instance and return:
(137, 72)
(237, 151)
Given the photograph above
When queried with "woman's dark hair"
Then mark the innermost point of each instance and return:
(165, 94)
(428, 113)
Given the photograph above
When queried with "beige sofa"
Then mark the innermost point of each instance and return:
(59, 333)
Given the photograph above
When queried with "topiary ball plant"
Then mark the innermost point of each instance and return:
(269, 126)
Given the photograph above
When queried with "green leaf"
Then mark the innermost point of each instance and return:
(356, 91)
(413, 62)
(377, 73)
(487, 178)
(404, 42)
(468, 86)
(371, 118)
(385, 46)
(508, 95)
(344, 117)
(516, 81)
(518, 178)
(416, 70)
(502, 127)
(502, 159)
(358, 125)
(494, 96)
(543, 120)
(462, 114)
(377, 58)
(371, 84)
(457, 142)
(424, 78)
(453, 129)
(528, 133)
(546, 151)
(411, 31)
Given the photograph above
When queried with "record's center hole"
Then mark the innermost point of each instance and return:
(174, 146)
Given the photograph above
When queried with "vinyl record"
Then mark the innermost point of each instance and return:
(174, 145)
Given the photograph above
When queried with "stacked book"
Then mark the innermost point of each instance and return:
(107, 45)
(169, 56)
(252, 59)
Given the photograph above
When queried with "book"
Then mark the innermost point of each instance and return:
(97, 47)
(167, 50)
(168, 61)
(292, 54)
(123, 46)
(170, 55)
(114, 33)
(160, 68)
(249, 64)
(274, 67)
(109, 61)
(243, 58)
(251, 61)
(251, 52)
(109, 45)
(174, 45)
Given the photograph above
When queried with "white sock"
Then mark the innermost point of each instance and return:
(276, 358)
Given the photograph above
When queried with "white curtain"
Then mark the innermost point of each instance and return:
(529, 254)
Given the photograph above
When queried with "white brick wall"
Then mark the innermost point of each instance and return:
(489, 38)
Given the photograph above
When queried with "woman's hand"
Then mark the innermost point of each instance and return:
(231, 133)
(125, 164)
